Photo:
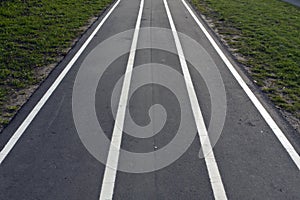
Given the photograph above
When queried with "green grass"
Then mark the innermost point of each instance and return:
(267, 34)
(34, 34)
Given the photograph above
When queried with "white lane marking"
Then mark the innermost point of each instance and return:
(211, 164)
(21, 129)
(270, 121)
(108, 182)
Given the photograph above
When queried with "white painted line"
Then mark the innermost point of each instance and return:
(211, 164)
(19, 132)
(108, 182)
(270, 121)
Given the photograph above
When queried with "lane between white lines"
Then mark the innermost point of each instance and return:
(270, 121)
(211, 164)
(108, 182)
(21, 129)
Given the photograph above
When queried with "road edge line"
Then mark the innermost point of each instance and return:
(27, 121)
(261, 109)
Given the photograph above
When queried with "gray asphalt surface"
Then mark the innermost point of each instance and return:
(51, 162)
(294, 2)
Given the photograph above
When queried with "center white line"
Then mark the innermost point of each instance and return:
(211, 164)
(109, 177)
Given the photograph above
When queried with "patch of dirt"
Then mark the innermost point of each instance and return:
(18, 98)
(293, 121)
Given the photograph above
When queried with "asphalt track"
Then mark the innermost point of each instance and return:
(61, 154)
(294, 2)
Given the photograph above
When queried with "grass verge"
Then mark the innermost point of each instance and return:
(265, 37)
(33, 35)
